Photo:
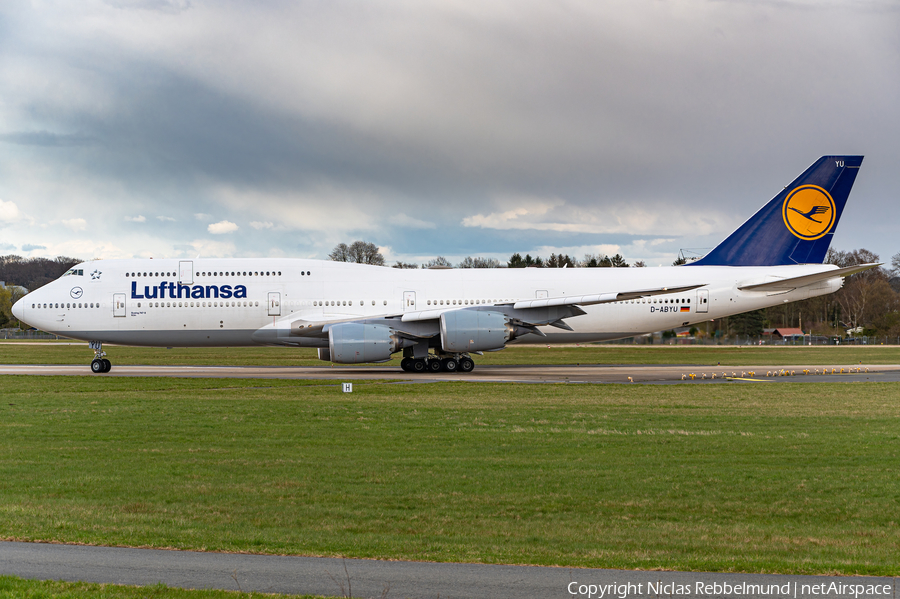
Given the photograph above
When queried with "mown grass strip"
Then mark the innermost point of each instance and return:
(58, 353)
(802, 478)
(12, 587)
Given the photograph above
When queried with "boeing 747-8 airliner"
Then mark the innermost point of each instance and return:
(438, 318)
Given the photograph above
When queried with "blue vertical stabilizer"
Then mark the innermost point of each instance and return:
(796, 226)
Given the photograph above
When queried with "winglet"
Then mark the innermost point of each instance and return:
(797, 225)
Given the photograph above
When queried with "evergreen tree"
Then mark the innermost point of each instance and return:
(516, 261)
(748, 324)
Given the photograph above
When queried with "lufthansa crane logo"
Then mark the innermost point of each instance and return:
(808, 212)
(76, 292)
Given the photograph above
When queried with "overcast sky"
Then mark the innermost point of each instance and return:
(178, 128)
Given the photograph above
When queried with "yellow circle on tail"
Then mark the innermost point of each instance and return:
(808, 212)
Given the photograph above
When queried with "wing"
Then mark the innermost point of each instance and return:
(422, 324)
(520, 308)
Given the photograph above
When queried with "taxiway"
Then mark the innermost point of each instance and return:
(584, 373)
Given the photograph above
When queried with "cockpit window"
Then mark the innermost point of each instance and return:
(74, 272)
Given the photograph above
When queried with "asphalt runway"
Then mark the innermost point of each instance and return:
(397, 579)
(652, 374)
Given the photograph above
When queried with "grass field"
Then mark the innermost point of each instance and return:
(719, 478)
(17, 588)
(58, 353)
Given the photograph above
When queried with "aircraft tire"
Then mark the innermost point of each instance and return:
(405, 364)
(97, 366)
(435, 365)
(418, 365)
(107, 365)
(449, 365)
(466, 364)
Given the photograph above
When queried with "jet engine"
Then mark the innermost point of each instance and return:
(354, 343)
(475, 330)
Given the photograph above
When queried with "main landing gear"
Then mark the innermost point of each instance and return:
(99, 364)
(455, 363)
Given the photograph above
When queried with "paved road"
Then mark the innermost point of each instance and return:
(392, 580)
(519, 374)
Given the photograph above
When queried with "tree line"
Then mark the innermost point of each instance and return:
(364, 252)
(32, 273)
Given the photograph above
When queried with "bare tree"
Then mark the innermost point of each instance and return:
(599, 260)
(340, 253)
(360, 252)
(439, 262)
(406, 265)
(861, 291)
(470, 262)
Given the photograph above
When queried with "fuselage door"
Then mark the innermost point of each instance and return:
(703, 300)
(409, 301)
(274, 303)
(186, 272)
(119, 305)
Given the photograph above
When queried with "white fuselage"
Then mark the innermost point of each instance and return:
(223, 302)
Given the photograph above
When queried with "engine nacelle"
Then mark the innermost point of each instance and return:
(474, 330)
(354, 343)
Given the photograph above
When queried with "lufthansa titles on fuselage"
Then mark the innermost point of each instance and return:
(171, 290)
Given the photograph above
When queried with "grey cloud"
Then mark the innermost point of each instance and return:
(439, 112)
(28, 247)
(165, 6)
(46, 139)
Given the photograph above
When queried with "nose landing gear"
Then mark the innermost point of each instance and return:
(99, 364)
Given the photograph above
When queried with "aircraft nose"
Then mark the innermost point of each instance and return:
(18, 310)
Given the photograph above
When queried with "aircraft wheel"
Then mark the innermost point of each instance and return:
(107, 365)
(434, 365)
(97, 366)
(418, 365)
(466, 364)
(406, 365)
(449, 365)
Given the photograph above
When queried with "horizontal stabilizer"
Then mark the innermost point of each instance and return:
(803, 281)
